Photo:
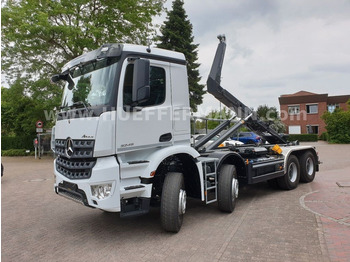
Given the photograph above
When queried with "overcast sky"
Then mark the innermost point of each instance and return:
(274, 47)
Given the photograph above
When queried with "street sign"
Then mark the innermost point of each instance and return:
(39, 130)
(39, 124)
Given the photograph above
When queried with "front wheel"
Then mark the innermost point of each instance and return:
(291, 178)
(173, 202)
(227, 188)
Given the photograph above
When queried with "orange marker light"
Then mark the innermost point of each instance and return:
(277, 149)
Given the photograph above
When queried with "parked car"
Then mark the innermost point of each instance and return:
(230, 141)
(197, 137)
(248, 138)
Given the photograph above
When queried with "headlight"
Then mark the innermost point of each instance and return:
(101, 191)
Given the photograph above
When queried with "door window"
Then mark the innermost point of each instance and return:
(157, 86)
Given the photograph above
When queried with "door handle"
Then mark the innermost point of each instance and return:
(165, 137)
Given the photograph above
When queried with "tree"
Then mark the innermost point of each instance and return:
(217, 114)
(19, 112)
(177, 36)
(338, 125)
(270, 114)
(38, 37)
(267, 113)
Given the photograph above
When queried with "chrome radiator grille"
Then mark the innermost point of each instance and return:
(75, 159)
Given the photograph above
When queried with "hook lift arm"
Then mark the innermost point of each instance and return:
(248, 117)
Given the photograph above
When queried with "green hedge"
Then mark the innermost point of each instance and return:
(17, 142)
(324, 136)
(16, 152)
(304, 137)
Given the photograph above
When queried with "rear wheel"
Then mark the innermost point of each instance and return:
(227, 188)
(173, 202)
(291, 178)
(307, 167)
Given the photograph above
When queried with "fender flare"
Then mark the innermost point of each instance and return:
(156, 158)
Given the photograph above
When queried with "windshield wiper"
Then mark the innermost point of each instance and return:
(76, 105)
(80, 103)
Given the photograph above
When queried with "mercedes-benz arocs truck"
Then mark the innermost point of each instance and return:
(122, 138)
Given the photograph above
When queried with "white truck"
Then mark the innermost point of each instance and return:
(122, 138)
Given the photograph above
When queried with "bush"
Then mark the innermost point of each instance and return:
(17, 142)
(304, 137)
(338, 126)
(15, 152)
(324, 136)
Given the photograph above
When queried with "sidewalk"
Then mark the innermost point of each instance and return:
(330, 199)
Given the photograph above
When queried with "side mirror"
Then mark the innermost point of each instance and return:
(65, 77)
(55, 78)
(141, 81)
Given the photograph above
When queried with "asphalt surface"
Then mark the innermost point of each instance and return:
(310, 223)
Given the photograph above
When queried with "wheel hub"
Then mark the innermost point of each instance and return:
(309, 166)
(234, 188)
(182, 202)
(292, 172)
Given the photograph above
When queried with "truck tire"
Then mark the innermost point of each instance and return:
(173, 202)
(227, 188)
(307, 167)
(291, 178)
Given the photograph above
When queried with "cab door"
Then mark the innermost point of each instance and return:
(147, 124)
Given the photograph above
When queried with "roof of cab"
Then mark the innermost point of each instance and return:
(114, 50)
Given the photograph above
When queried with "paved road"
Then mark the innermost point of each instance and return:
(310, 223)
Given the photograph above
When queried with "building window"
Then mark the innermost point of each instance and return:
(312, 129)
(294, 130)
(332, 107)
(293, 110)
(312, 109)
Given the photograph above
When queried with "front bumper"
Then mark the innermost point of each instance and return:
(105, 171)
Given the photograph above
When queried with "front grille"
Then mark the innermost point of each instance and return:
(80, 163)
(81, 148)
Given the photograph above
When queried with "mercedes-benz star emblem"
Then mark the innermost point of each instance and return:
(69, 147)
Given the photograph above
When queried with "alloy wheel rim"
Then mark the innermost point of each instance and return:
(182, 202)
(309, 166)
(234, 188)
(292, 172)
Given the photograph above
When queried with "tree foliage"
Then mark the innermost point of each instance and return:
(267, 113)
(19, 112)
(224, 114)
(38, 37)
(271, 115)
(338, 125)
(177, 36)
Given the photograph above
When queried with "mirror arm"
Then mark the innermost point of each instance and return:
(132, 108)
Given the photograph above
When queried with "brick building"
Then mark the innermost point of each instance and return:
(301, 112)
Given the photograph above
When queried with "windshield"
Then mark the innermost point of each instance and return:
(93, 84)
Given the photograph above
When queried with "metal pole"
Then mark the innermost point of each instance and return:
(39, 145)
